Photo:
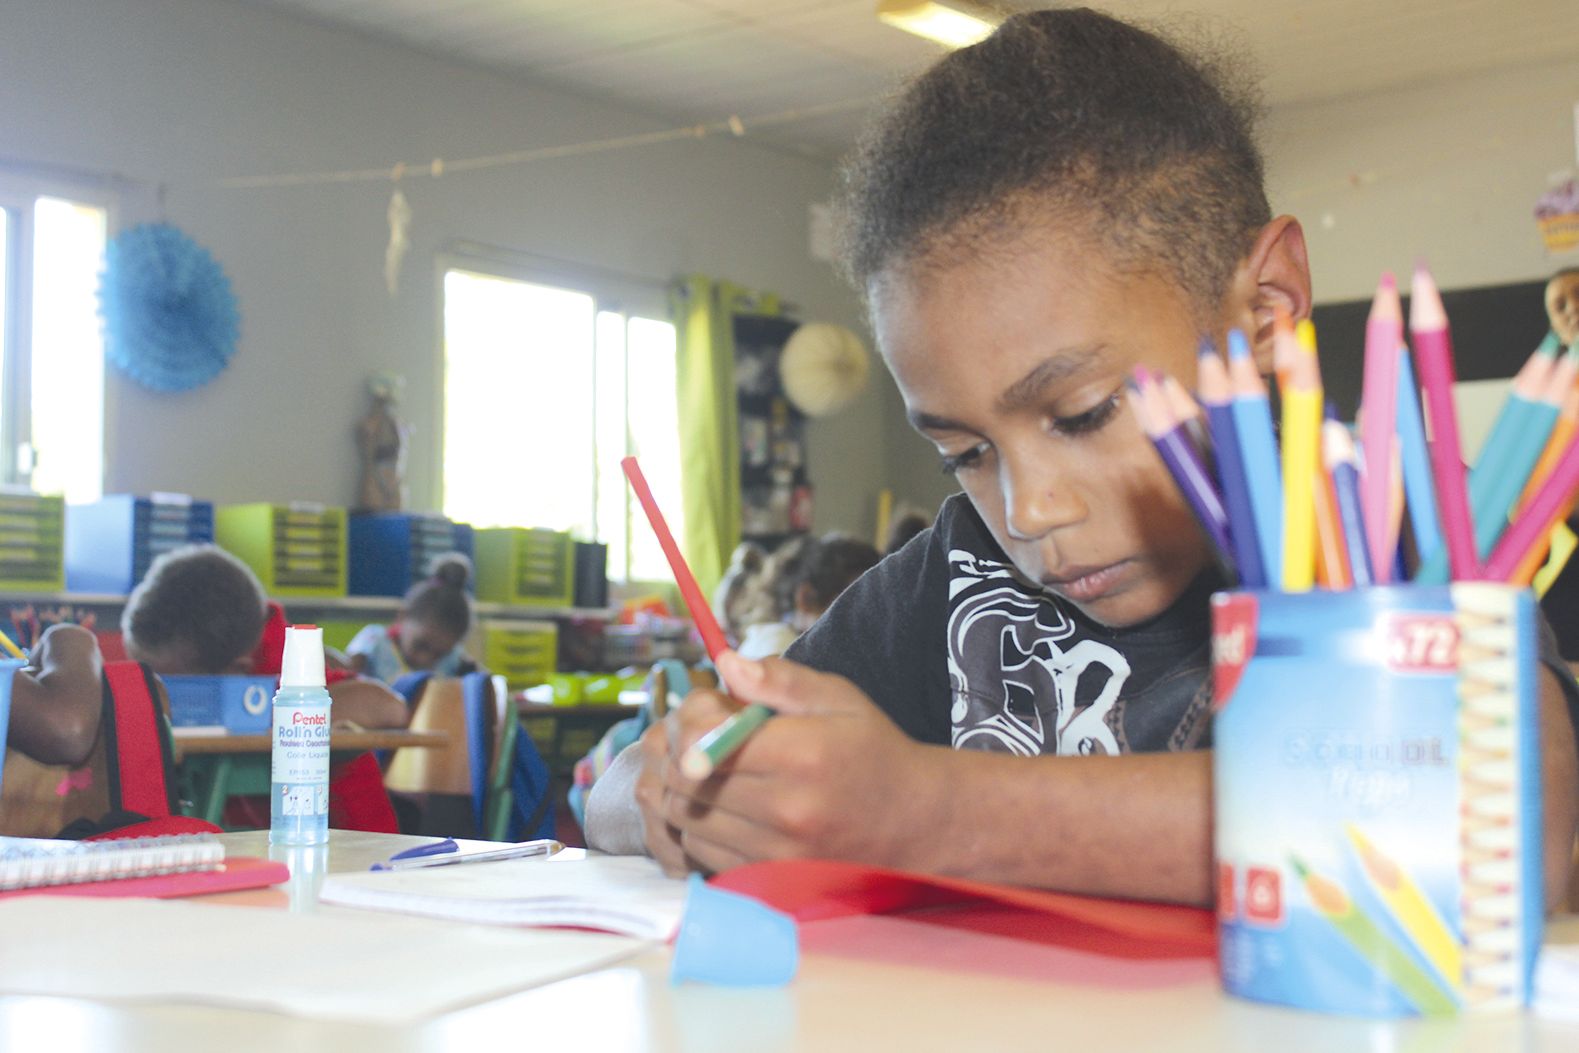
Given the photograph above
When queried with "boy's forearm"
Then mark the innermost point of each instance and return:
(1135, 826)
(368, 704)
(1559, 788)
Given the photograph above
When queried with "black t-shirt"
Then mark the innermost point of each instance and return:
(960, 649)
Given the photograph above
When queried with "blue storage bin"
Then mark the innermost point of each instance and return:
(240, 704)
(111, 542)
(390, 551)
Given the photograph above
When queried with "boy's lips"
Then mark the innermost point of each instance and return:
(1083, 584)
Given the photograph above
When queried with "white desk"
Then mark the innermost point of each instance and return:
(899, 992)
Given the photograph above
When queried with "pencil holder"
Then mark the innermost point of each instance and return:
(1377, 797)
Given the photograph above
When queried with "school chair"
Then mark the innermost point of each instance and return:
(126, 787)
(490, 781)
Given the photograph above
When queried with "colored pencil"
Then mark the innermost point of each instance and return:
(1379, 950)
(1410, 908)
(1419, 491)
(11, 648)
(1257, 451)
(1179, 453)
(1341, 463)
(1378, 407)
(1518, 460)
(1187, 412)
(1211, 378)
(1556, 443)
(713, 748)
(1525, 390)
(1332, 552)
(1434, 359)
(1301, 460)
(1536, 520)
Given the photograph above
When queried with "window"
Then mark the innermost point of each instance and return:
(545, 389)
(51, 345)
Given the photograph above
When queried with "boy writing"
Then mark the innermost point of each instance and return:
(1037, 214)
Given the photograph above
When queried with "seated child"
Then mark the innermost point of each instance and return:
(1025, 686)
(201, 611)
(426, 635)
(769, 600)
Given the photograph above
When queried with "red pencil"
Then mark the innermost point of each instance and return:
(712, 636)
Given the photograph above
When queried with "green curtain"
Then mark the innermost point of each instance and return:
(704, 313)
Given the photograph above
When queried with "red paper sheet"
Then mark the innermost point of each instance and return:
(814, 889)
(239, 873)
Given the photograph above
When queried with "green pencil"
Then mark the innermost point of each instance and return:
(714, 748)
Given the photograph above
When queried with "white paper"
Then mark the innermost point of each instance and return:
(623, 894)
(373, 969)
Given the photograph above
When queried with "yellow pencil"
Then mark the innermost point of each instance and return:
(11, 648)
(1410, 908)
(1301, 460)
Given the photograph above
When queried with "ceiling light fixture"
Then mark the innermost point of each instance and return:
(952, 23)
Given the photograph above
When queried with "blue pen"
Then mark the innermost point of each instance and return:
(435, 848)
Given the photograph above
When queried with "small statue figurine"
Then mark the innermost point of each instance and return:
(381, 443)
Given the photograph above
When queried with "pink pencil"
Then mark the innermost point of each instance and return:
(1537, 518)
(1434, 359)
(1384, 332)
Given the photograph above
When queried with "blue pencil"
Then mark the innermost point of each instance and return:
(1211, 380)
(1338, 453)
(1518, 460)
(1258, 449)
(1419, 490)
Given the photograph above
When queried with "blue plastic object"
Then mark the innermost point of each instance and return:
(391, 551)
(110, 542)
(240, 703)
(733, 941)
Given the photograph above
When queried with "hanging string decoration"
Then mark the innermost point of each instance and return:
(170, 318)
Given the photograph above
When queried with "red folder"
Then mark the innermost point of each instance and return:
(815, 889)
(233, 874)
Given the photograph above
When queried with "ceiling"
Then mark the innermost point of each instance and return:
(694, 61)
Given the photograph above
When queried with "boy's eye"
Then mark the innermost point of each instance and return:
(954, 463)
(1092, 419)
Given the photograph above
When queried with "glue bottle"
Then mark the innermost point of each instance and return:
(299, 778)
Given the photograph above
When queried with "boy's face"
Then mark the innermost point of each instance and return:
(1013, 364)
(1562, 306)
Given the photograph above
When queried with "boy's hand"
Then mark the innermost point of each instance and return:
(830, 776)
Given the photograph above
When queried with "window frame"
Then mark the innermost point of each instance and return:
(611, 291)
(20, 188)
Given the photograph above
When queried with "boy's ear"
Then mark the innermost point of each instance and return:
(1276, 271)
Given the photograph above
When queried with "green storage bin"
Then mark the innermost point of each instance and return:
(521, 566)
(294, 549)
(523, 652)
(32, 542)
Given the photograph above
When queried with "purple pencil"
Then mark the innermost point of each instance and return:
(1183, 459)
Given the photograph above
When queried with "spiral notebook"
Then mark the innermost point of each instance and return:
(35, 862)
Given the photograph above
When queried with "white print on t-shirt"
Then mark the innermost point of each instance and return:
(1017, 675)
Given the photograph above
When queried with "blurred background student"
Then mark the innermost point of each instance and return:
(426, 635)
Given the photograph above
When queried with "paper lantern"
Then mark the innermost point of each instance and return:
(823, 368)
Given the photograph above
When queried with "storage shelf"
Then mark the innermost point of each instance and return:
(324, 603)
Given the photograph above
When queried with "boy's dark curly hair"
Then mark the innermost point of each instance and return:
(1072, 117)
(440, 599)
(198, 608)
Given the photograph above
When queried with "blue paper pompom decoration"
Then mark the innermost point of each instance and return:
(170, 319)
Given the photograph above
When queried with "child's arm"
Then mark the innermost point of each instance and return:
(832, 777)
(367, 703)
(56, 700)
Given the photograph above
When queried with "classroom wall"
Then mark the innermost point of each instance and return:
(1449, 172)
(185, 92)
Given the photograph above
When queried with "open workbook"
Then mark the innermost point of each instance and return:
(623, 894)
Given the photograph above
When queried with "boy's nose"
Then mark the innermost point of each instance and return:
(1038, 499)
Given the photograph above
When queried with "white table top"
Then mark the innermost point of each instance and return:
(865, 984)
